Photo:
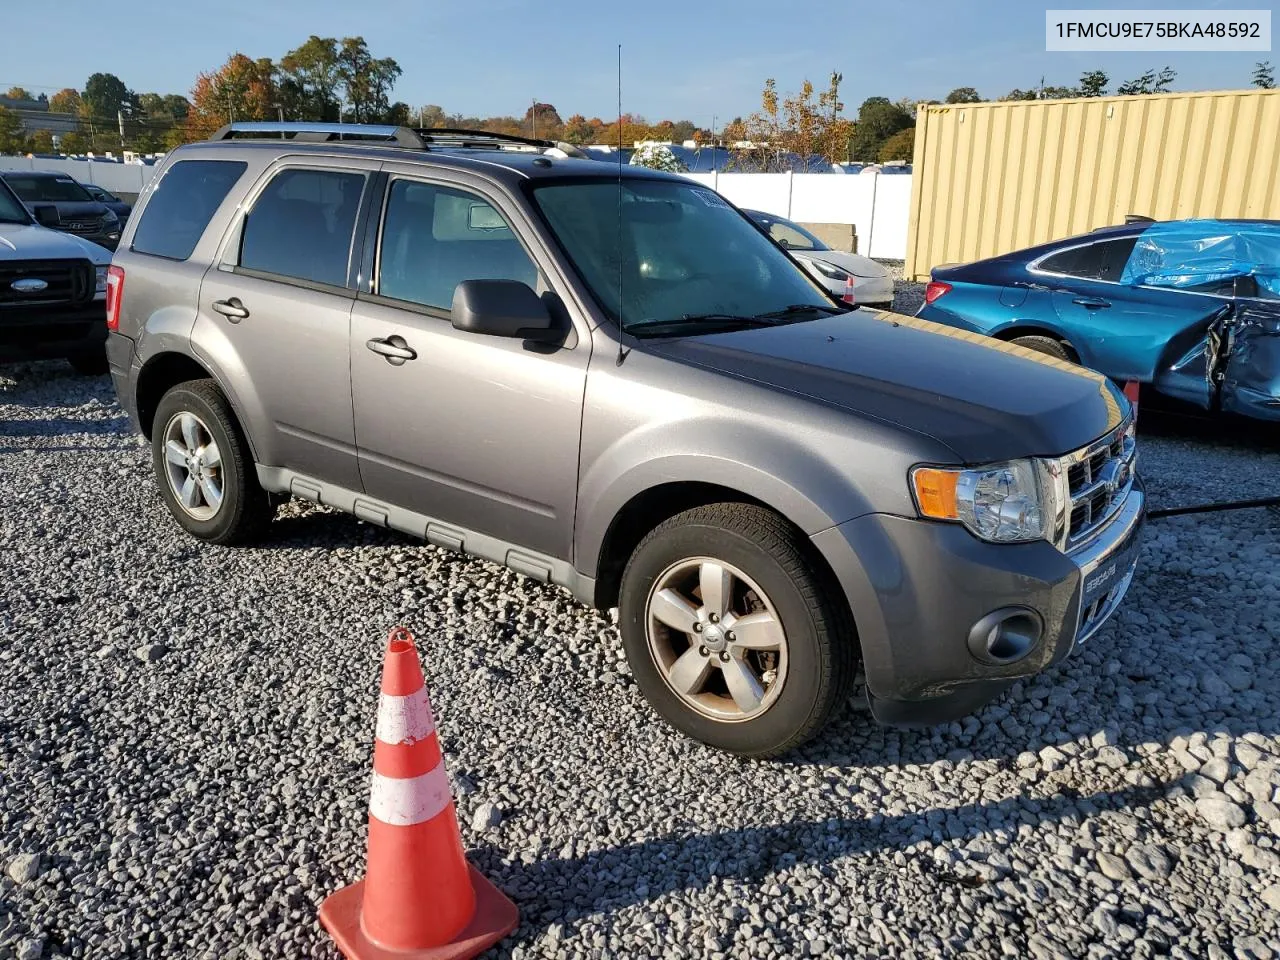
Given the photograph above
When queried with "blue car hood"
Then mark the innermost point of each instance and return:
(986, 400)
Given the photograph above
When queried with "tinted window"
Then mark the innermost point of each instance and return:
(682, 252)
(792, 237)
(47, 189)
(301, 226)
(1104, 260)
(182, 205)
(433, 238)
(11, 211)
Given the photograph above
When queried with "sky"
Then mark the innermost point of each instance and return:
(680, 60)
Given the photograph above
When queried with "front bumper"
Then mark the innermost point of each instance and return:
(917, 588)
(51, 332)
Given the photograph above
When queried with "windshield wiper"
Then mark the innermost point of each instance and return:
(798, 308)
(700, 323)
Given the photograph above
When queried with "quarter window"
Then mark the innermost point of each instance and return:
(181, 206)
(302, 224)
(435, 237)
(1104, 260)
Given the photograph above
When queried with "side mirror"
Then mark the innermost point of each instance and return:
(46, 215)
(501, 308)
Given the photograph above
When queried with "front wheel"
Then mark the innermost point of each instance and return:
(732, 632)
(204, 468)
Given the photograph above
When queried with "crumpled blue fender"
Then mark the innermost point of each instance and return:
(1251, 377)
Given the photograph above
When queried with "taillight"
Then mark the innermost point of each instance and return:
(934, 289)
(115, 293)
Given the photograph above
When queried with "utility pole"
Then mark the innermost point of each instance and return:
(280, 112)
(120, 120)
(533, 112)
(422, 118)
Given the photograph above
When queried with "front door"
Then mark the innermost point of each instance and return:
(476, 431)
(275, 316)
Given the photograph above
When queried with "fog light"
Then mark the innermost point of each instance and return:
(1005, 636)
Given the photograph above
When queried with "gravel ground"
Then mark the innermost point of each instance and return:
(185, 745)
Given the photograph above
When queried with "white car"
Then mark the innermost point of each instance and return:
(872, 286)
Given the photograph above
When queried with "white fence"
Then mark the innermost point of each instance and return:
(116, 177)
(878, 206)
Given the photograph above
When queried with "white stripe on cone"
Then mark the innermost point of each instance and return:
(405, 719)
(402, 803)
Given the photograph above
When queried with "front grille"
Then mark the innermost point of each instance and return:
(84, 226)
(1099, 478)
(66, 281)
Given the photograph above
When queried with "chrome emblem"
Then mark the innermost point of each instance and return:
(29, 285)
(1113, 477)
(75, 226)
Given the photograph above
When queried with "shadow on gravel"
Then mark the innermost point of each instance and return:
(63, 426)
(641, 872)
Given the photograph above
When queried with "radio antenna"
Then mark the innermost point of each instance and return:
(622, 323)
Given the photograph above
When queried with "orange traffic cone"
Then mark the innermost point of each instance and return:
(849, 296)
(420, 899)
(1131, 392)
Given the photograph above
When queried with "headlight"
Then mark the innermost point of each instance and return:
(1010, 502)
(100, 281)
(827, 270)
(109, 218)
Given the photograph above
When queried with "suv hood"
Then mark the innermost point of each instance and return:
(28, 241)
(986, 400)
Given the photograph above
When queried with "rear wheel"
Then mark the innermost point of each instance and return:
(1047, 345)
(204, 468)
(731, 632)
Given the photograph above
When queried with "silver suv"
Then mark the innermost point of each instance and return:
(610, 379)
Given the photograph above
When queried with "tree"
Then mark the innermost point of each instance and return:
(878, 120)
(1263, 76)
(366, 81)
(12, 139)
(901, 146)
(543, 120)
(19, 93)
(838, 131)
(1149, 82)
(74, 143)
(578, 129)
(40, 142)
(105, 96)
(1094, 83)
(657, 156)
(66, 100)
(242, 89)
(963, 95)
(310, 80)
(430, 116)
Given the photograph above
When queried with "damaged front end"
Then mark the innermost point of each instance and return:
(1229, 359)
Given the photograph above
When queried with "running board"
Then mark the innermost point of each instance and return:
(436, 532)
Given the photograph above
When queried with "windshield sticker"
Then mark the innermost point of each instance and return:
(711, 199)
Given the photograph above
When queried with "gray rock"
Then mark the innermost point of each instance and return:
(1220, 813)
(150, 652)
(24, 868)
(1113, 866)
(29, 949)
(1271, 897)
(1216, 770)
(486, 817)
(1149, 860)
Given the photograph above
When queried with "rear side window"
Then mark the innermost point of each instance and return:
(301, 226)
(1097, 261)
(182, 205)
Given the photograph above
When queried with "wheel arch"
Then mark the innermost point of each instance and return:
(164, 371)
(1019, 328)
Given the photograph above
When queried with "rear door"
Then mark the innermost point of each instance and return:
(276, 312)
(1128, 332)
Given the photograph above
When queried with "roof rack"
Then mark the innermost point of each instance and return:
(457, 136)
(390, 134)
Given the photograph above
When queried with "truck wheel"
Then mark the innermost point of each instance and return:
(1046, 345)
(204, 468)
(731, 630)
(93, 364)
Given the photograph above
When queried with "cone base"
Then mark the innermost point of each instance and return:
(495, 917)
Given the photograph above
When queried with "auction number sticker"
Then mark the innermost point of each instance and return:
(1171, 30)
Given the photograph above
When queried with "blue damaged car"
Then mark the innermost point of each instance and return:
(1189, 307)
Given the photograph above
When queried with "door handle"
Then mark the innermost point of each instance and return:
(1092, 303)
(393, 348)
(232, 309)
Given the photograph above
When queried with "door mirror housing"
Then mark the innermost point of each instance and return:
(502, 308)
(46, 215)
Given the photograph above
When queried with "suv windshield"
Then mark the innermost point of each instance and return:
(11, 210)
(47, 189)
(687, 261)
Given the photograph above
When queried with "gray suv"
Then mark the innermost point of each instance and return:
(610, 379)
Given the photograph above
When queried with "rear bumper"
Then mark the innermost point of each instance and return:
(51, 333)
(918, 589)
(120, 362)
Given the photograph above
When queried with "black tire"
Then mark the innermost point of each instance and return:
(1047, 345)
(90, 364)
(245, 509)
(821, 644)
